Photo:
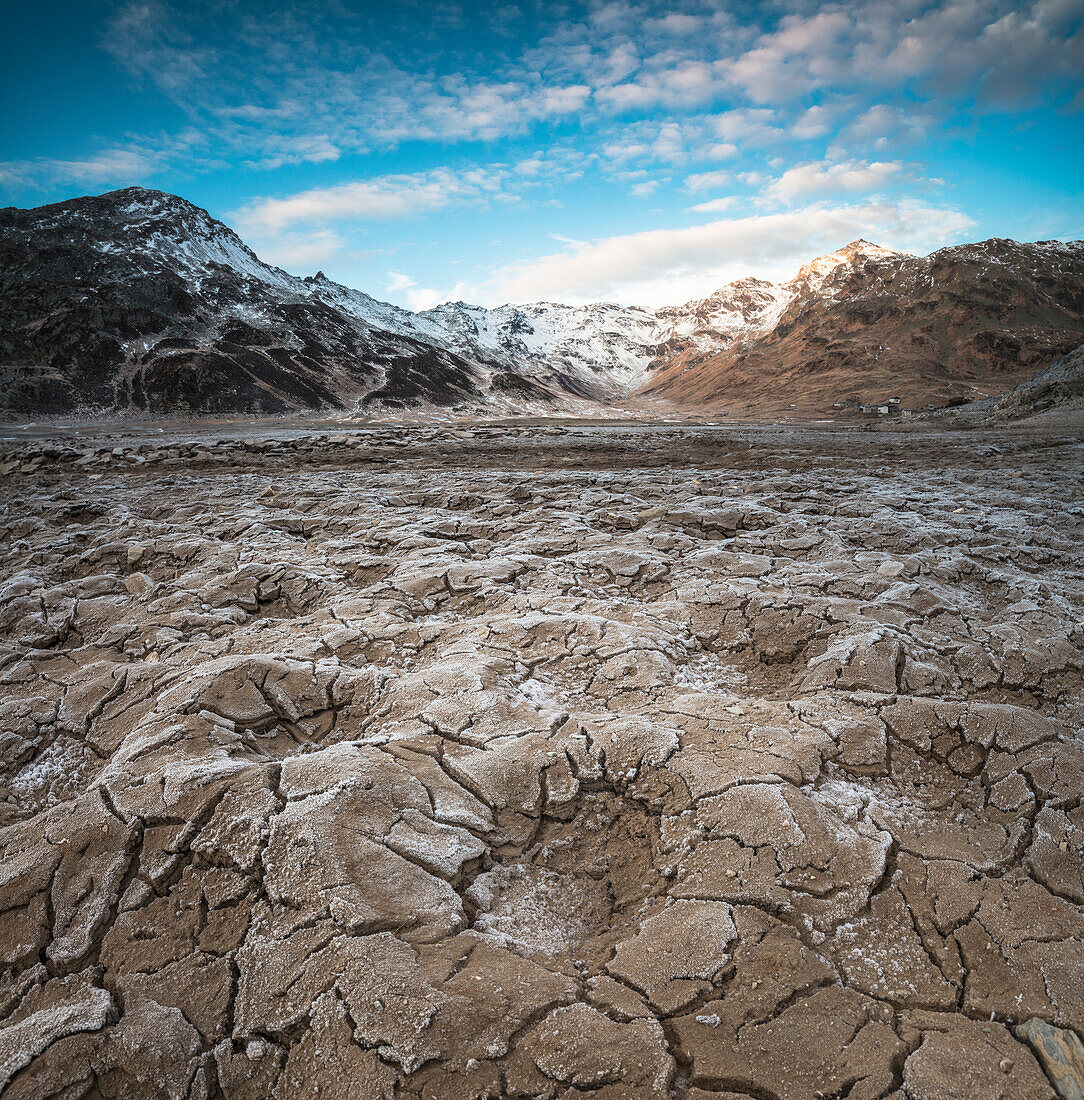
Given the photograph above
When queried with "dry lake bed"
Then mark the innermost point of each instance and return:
(634, 761)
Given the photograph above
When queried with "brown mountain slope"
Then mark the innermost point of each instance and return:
(959, 324)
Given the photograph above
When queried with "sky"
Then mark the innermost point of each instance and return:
(641, 153)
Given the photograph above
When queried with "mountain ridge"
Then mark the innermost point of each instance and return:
(139, 298)
(965, 321)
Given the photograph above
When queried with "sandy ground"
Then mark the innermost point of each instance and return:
(598, 760)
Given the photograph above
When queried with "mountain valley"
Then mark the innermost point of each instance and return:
(138, 301)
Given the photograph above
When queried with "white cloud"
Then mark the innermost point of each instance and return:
(144, 39)
(424, 297)
(407, 107)
(292, 76)
(749, 126)
(684, 83)
(303, 149)
(115, 166)
(289, 87)
(714, 206)
(644, 188)
(678, 24)
(310, 230)
(1010, 51)
(884, 126)
(108, 165)
(707, 181)
(301, 252)
(404, 290)
(824, 178)
(814, 122)
(379, 198)
(673, 265)
(671, 141)
(721, 150)
(398, 281)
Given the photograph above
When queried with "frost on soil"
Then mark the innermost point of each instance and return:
(440, 764)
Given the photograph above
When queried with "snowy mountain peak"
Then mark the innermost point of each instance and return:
(149, 199)
(147, 211)
(861, 245)
(156, 232)
(160, 303)
(850, 255)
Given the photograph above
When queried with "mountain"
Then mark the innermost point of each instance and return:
(1058, 388)
(600, 350)
(864, 324)
(138, 299)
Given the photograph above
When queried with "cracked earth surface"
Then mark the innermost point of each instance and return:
(647, 764)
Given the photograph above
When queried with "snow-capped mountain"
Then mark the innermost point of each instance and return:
(819, 275)
(610, 350)
(600, 350)
(864, 324)
(137, 298)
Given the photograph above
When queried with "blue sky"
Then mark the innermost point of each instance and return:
(637, 152)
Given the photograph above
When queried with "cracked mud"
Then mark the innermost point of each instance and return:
(642, 763)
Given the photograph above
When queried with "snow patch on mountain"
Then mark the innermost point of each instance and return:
(600, 351)
(140, 297)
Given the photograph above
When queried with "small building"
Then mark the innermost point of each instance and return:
(891, 407)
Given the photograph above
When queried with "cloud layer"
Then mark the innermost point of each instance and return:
(383, 197)
(439, 149)
(668, 266)
(311, 82)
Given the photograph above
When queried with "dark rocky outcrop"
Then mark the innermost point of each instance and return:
(139, 300)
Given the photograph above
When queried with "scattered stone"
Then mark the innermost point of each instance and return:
(1061, 1053)
(139, 584)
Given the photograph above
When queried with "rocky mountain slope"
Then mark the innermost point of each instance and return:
(1059, 388)
(866, 324)
(138, 299)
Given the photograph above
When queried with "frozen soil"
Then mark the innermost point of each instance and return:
(645, 762)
